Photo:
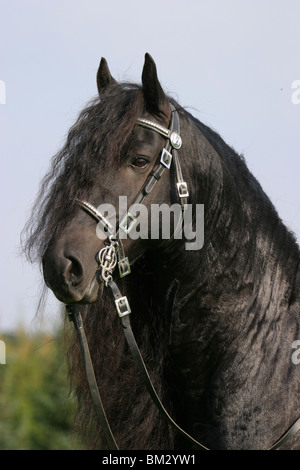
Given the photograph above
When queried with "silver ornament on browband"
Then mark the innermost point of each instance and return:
(173, 136)
(175, 140)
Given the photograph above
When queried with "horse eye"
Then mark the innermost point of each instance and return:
(140, 162)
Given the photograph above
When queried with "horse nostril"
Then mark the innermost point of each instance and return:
(74, 271)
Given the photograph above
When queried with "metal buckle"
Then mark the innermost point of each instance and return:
(166, 158)
(122, 306)
(124, 267)
(182, 189)
(128, 222)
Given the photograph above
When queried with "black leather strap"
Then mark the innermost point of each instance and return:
(142, 369)
(75, 316)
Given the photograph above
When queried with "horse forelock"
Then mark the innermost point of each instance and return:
(102, 132)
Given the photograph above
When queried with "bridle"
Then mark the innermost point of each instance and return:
(113, 254)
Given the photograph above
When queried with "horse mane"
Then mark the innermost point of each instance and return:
(258, 215)
(134, 419)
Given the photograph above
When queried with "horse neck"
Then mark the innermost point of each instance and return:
(248, 257)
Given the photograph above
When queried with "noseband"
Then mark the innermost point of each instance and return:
(113, 254)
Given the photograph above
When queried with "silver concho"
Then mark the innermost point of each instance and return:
(175, 140)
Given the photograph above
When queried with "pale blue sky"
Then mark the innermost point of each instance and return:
(233, 61)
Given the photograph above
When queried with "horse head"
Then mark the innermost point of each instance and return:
(128, 149)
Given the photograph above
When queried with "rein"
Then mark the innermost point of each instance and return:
(113, 254)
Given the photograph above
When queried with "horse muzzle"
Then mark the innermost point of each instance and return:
(67, 277)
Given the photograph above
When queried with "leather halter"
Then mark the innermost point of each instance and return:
(112, 254)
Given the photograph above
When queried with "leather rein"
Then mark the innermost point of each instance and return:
(113, 254)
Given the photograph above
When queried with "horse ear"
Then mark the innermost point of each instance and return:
(155, 98)
(104, 77)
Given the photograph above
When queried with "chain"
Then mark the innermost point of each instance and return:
(108, 260)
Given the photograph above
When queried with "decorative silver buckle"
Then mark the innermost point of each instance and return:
(122, 306)
(166, 158)
(108, 260)
(124, 267)
(182, 189)
(128, 222)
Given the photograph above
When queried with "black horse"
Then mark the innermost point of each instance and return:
(216, 325)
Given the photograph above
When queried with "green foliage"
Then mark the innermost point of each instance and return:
(36, 410)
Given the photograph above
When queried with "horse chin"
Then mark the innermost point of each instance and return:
(75, 296)
(92, 294)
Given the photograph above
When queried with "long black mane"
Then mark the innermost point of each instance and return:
(244, 237)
